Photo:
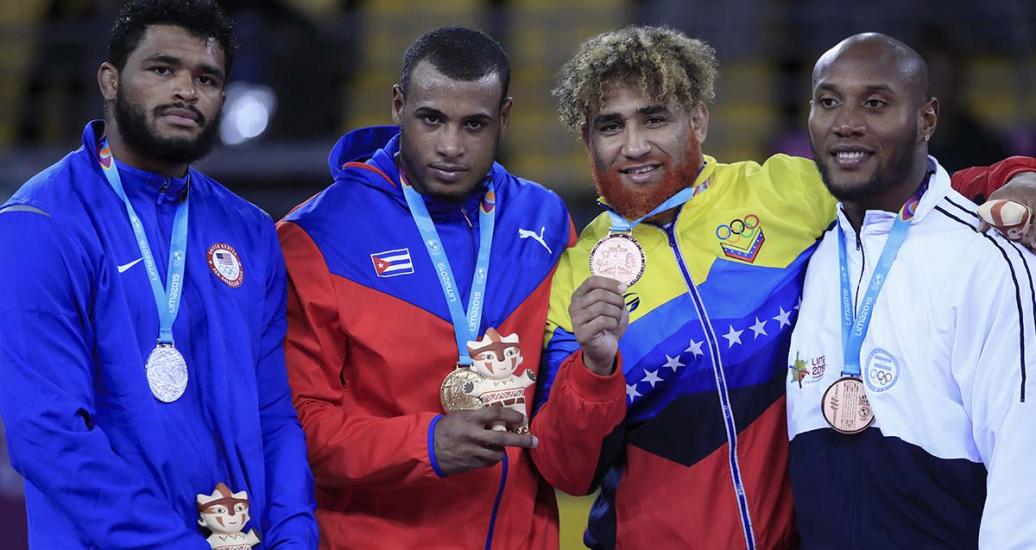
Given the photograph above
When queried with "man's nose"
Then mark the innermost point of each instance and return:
(635, 144)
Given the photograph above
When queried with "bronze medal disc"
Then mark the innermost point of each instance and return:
(452, 394)
(845, 406)
(618, 256)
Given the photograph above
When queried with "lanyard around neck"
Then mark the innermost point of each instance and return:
(856, 323)
(465, 326)
(167, 298)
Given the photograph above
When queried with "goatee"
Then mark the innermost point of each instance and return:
(883, 177)
(634, 201)
(139, 136)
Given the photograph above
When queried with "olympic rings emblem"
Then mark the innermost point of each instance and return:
(738, 227)
(882, 370)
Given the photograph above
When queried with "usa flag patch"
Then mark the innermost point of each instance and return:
(392, 263)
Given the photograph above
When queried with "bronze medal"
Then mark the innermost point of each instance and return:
(845, 406)
(454, 393)
(618, 256)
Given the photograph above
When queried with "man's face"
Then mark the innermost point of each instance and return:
(643, 151)
(865, 124)
(449, 130)
(169, 95)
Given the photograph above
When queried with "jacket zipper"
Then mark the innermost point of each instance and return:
(863, 267)
(721, 386)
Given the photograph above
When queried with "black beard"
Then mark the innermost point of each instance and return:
(132, 121)
(883, 178)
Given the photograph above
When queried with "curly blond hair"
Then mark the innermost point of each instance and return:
(666, 63)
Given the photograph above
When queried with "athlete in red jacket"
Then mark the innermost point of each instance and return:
(419, 218)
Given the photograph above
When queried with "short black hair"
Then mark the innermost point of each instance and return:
(459, 53)
(202, 18)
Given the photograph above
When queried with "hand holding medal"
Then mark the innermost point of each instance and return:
(599, 319)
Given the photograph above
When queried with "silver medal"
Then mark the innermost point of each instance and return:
(166, 373)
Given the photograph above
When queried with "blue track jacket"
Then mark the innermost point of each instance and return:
(106, 464)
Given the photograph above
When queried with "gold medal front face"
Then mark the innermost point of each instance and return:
(618, 256)
(845, 406)
(452, 394)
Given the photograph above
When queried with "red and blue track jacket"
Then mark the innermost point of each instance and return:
(107, 465)
(370, 340)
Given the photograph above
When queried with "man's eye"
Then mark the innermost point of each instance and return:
(827, 102)
(431, 119)
(609, 128)
(161, 71)
(875, 103)
(474, 125)
(655, 121)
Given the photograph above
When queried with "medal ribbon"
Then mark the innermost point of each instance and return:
(167, 298)
(854, 327)
(465, 327)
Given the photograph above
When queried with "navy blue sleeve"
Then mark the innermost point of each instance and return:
(47, 388)
(289, 480)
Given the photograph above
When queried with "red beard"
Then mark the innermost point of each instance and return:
(632, 202)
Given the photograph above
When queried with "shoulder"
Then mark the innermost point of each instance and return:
(982, 262)
(525, 196)
(58, 188)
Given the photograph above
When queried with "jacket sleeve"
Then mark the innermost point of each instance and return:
(979, 182)
(577, 412)
(47, 393)
(288, 477)
(346, 446)
(994, 358)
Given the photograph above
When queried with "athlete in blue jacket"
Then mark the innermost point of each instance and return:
(142, 378)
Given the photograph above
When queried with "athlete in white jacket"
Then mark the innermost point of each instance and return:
(911, 394)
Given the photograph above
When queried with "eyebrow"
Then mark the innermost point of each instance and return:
(605, 118)
(177, 62)
(870, 88)
(432, 111)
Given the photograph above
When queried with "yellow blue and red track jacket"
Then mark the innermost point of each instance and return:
(699, 459)
(370, 340)
(106, 464)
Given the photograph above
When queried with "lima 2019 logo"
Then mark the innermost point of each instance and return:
(742, 238)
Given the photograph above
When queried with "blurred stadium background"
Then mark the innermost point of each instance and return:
(309, 70)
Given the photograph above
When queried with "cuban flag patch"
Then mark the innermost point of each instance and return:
(392, 263)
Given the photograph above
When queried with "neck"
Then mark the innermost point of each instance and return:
(890, 199)
(125, 154)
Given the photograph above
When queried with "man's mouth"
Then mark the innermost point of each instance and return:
(850, 157)
(641, 172)
(181, 116)
(448, 172)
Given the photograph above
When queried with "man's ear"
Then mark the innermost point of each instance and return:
(398, 101)
(505, 114)
(108, 81)
(700, 121)
(929, 118)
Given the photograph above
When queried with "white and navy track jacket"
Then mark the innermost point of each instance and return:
(948, 363)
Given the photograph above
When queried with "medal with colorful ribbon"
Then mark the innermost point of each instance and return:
(844, 404)
(166, 368)
(465, 324)
(618, 255)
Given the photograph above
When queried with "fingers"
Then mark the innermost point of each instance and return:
(595, 282)
(489, 415)
(499, 440)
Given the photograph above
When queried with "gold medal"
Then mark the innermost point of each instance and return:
(618, 256)
(454, 393)
(845, 406)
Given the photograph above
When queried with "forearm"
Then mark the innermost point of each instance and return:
(583, 408)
